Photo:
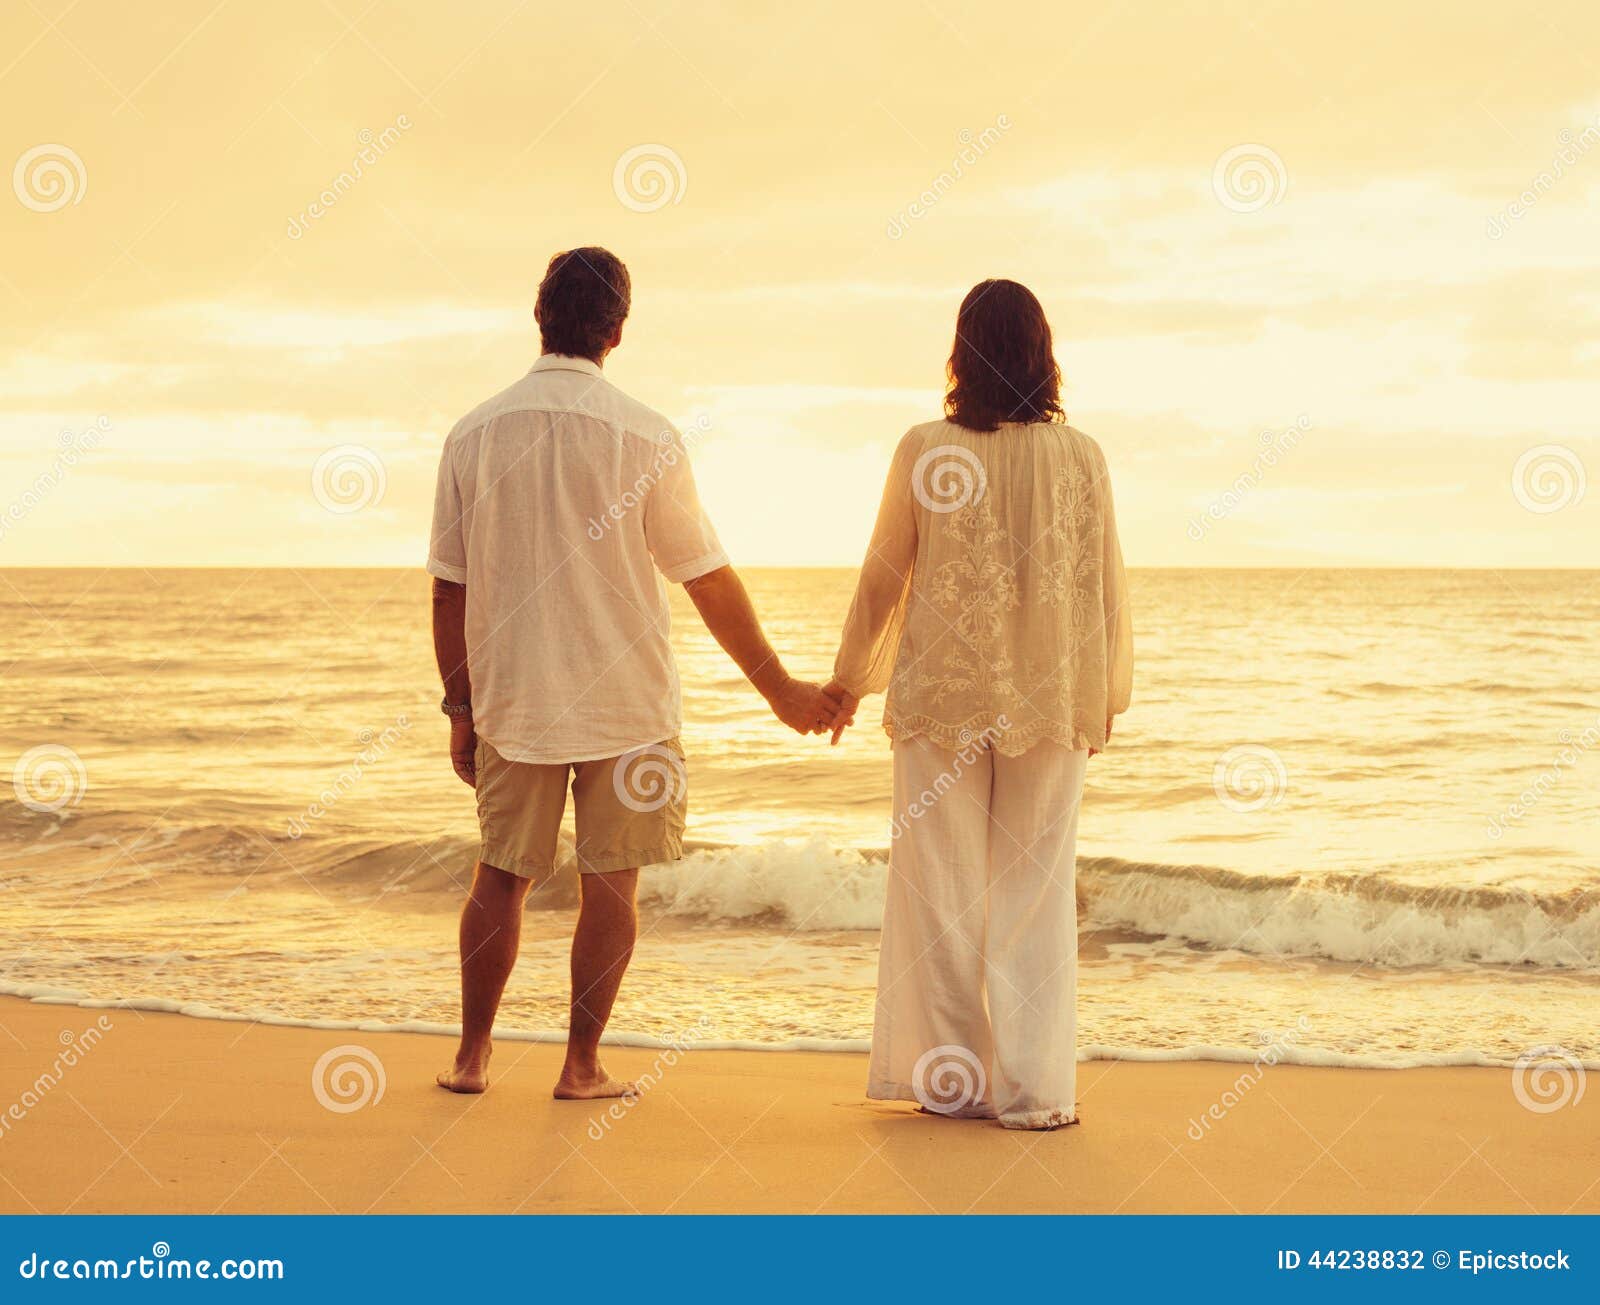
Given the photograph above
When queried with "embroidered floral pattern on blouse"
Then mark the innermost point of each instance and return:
(972, 592)
(1013, 608)
(1072, 581)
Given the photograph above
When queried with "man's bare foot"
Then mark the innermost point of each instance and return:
(469, 1076)
(576, 1086)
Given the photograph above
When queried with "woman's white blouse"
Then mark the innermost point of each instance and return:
(993, 602)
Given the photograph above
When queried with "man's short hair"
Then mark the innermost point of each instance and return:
(583, 299)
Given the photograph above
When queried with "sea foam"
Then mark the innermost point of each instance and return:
(812, 886)
(1283, 1054)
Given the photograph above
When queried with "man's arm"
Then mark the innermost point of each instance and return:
(450, 651)
(725, 607)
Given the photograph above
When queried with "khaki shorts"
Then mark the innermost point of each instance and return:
(629, 810)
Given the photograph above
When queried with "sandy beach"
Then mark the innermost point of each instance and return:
(163, 1113)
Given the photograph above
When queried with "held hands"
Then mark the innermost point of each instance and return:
(808, 708)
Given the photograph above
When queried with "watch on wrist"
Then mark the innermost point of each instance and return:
(456, 710)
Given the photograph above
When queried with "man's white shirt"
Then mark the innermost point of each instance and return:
(564, 506)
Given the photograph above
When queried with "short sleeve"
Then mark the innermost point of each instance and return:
(447, 548)
(676, 529)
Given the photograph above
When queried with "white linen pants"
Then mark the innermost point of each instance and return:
(978, 967)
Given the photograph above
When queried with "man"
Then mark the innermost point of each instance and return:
(561, 504)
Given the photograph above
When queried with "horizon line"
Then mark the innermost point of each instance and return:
(773, 566)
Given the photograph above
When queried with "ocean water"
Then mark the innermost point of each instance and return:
(1352, 814)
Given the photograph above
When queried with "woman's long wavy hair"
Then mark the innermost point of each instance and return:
(1002, 365)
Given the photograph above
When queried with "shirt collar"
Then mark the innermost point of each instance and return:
(560, 362)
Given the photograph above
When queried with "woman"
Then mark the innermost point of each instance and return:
(992, 606)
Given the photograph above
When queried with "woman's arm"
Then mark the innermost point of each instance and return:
(877, 612)
(1118, 612)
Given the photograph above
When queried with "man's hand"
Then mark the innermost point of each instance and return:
(725, 607)
(464, 749)
(847, 703)
(803, 706)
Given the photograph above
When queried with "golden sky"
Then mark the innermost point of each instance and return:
(184, 339)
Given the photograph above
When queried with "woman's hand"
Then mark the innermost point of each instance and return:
(1110, 720)
(804, 707)
(847, 704)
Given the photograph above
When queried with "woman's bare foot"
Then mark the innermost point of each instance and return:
(470, 1074)
(580, 1085)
